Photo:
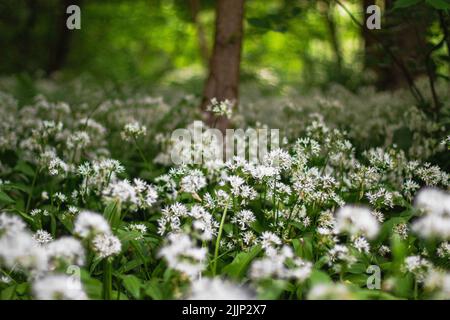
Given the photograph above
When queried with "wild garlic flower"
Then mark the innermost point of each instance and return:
(339, 254)
(89, 223)
(106, 245)
(20, 251)
(438, 283)
(79, 140)
(221, 108)
(281, 264)
(330, 291)
(381, 198)
(243, 219)
(57, 167)
(58, 287)
(193, 181)
(361, 244)
(10, 225)
(133, 131)
(183, 255)
(65, 250)
(139, 227)
(356, 221)
(42, 237)
(384, 250)
(204, 223)
(435, 223)
(417, 266)
(270, 242)
(218, 289)
(402, 230)
(136, 195)
(443, 251)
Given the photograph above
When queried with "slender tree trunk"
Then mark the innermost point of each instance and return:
(332, 28)
(404, 31)
(62, 43)
(224, 64)
(370, 45)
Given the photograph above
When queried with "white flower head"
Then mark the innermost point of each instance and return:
(356, 221)
(58, 287)
(89, 223)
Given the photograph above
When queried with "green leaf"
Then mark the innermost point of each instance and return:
(112, 214)
(439, 4)
(272, 289)
(405, 3)
(237, 268)
(24, 168)
(318, 276)
(133, 285)
(5, 199)
(153, 290)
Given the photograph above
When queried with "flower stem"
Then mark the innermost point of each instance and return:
(107, 279)
(30, 195)
(219, 236)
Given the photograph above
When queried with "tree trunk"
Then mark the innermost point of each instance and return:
(332, 29)
(224, 64)
(404, 31)
(61, 46)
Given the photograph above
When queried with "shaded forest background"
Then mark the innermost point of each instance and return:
(152, 42)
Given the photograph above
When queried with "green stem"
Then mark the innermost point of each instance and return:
(107, 279)
(30, 195)
(219, 236)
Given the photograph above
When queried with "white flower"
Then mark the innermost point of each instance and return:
(218, 289)
(132, 131)
(356, 221)
(136, 195)
(66, 249)
(193, 181)
(10, 225)
(361, 245)
(89, 223)
(181, 254)
(269, 241)
(243, 219)
(21, 251)
(417, 265)
(329, 291)
(58, 287)
(278, 159)
(106, 245)
(436, 221)
(139, 227)
(42, 237)
(221, 108)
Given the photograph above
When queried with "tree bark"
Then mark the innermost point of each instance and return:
(224, 64)
(332, 28)
(404, 31)
(62, 42)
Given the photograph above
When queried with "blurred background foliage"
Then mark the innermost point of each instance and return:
(161, 41)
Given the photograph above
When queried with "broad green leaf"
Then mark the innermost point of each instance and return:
(133, 285)
(24, 168)
(5, 199)
(318, 276)
(237, 268)
(153, 290)
(272, 289)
